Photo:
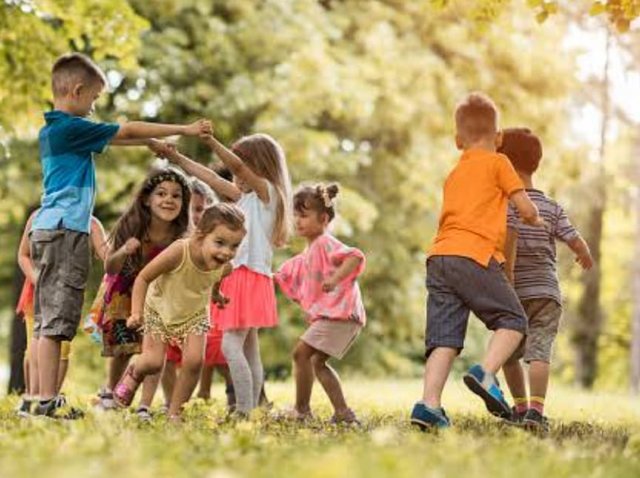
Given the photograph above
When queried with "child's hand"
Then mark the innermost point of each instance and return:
(199, 128)
(329, 284)
(160, 148)
(131, 246)
(537, 221)
(220, 300)
(585, 261)
(207, 139)
(134, 321)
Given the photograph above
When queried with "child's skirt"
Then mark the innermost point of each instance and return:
(252, 301)
(333, 337)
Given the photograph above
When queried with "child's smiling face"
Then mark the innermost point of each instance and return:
(310, 223)
(220, 246)
(165, 201)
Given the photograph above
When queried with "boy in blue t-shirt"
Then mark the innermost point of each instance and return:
(60, 231)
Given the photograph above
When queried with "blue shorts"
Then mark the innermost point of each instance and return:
(458, 285)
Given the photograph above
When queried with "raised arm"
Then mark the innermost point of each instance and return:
(167, 261)
(238, 167)
(583, 254)
(526, 208)
(345, 269)
(136, 130)
(98, 239)
(115, 259)
(510, 252)
(193, 168)
(24, 253)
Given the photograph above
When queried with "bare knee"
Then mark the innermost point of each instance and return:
(192, 365)
(301, 353)
(319, 361)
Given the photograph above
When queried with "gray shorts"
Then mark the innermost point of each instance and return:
(457, 286)
(544, 320)
(61, 261)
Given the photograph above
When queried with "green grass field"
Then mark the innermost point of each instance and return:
(592, 435)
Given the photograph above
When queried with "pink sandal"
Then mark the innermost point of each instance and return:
(122, 393)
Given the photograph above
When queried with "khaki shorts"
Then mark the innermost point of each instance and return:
(61, 262)
(333, 337)
(544, 320)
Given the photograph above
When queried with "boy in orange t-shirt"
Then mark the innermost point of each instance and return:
(464, 265)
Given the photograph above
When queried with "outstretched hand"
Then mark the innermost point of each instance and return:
(161, 149)
(199, 128)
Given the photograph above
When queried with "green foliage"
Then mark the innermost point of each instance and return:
(588, 438)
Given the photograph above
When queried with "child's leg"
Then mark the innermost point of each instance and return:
(538, 382)
(169, 376)
(330, 382)
(228, 389)
(149, 387)
(148, 363)
(303, 375)
(34, 378)
(514, 375)
(252, 352)
(117, 365)
(206, 377)
(192, 358)
(233, 350)
(48, 364)
(502, 345)
(65, 352)
(436, 372)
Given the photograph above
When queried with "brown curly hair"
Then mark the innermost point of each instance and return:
(317, 197)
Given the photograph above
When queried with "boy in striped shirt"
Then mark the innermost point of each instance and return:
(531, 267)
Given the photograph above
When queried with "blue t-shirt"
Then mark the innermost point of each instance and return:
(67, 146)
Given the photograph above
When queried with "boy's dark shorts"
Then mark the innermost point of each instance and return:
(61, 261)
(457, 286)
(544, 320)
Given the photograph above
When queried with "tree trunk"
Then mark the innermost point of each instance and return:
(588, 326)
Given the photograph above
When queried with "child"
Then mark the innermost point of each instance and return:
(322, 279)
(59, 234)
(261, 189)
(157, 216)
(533, 273)
(201, 198)
(464, 265)
(171, 298)
(25, 308)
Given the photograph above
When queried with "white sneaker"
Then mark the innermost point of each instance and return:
(105, 400)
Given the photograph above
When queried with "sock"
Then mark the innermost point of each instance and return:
(521, 404)
(537, 403)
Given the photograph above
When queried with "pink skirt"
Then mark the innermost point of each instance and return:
(252, 301)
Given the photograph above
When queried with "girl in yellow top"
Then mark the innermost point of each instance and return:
(171, 298)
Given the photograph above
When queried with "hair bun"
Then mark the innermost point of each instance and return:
(332, 190)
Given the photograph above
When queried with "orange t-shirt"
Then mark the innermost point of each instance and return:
(473, 222)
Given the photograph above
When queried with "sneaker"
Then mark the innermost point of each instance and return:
(105, 400)
(425, 417)
(144, 413)
(534, 421)
(58, 408)
(516, 417)
(23, 409)
(487, 387)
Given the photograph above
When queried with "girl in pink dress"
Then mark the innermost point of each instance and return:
(322, 280)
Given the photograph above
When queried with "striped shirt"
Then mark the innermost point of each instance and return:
(535, 267)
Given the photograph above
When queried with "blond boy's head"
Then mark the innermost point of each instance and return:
(477, 122)
(78, 81)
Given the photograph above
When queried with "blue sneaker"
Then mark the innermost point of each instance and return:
(486, 386)
(426, 417)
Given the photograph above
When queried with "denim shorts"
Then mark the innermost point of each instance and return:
(457, 286)
(61, 261)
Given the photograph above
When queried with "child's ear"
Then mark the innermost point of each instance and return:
(459, 142)
(325, 219)
(77, 90)
(499, 138)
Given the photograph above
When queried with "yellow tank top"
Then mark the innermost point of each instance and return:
(181, 296)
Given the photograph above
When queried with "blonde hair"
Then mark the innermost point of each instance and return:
(476, 118)
(266, 158)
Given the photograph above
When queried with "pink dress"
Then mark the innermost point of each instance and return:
(301, 277)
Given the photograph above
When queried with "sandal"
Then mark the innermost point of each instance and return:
(122, 393)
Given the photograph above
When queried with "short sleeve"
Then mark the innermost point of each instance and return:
(337, 252)
(508, 179)
(513, 218)
(564, 229)
(85, 136)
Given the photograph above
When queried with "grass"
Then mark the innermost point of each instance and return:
(592, 435)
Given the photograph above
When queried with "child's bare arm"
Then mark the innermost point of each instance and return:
(144, 130)
(238, 167)
(583, 254)
(24, 253)
(526, 208)
(217, 296)
(114, 260)
(510, 252)
(167, 261)
(347, 267)
(98, 239)
(211, 178)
